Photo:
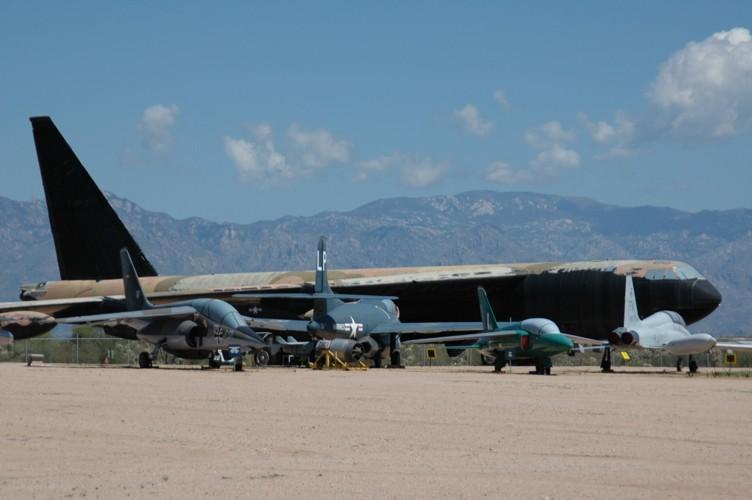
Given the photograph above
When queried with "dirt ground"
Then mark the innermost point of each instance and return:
(421, 432)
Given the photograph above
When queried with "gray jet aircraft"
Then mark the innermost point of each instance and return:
(195, 329)
(353, 326)
(664, 330)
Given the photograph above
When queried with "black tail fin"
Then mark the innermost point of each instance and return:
(322, 305)
(88, 233)
(322, 280)
(135, 299)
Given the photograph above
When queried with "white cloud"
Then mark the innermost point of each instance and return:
(318, 148)
(549, 133)
(415, 171)
(501, 97)
(551, 138)
(471, 121)
(155, 125)
(422, 172)
(259, 159)
(557, 156)
(705, 89)
(500, 172)
(617, 136)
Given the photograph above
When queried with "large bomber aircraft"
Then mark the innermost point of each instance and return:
(664, 330)
(581, 297)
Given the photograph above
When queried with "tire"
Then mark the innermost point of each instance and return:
(261, 357)
(693, 366)
(144, 360)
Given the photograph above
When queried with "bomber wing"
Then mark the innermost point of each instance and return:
(145, 315)
(277, 325)
(428, 328)
(474, 337)
(734, 346)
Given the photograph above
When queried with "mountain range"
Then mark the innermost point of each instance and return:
(468, 228)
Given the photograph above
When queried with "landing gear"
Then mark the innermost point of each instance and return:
(238, 366)
(499, 363)
(214, 362)
(144, 360)
(692, 365)
(261, 357)
(606, 361)
(395, 358)
(678, 364)
(542, 366)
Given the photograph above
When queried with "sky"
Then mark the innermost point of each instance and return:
(242, 111)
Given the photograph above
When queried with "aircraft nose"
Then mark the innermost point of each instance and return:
(705, 297)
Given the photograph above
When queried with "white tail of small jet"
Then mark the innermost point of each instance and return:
(631, 316)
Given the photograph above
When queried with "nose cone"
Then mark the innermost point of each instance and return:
(705, 299)
(557, 341)
(247, 336)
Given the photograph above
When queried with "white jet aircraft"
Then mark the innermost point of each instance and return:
(665, 330)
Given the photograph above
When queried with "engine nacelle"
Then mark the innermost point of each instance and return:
(25, 324)
(348, 350)
(368, 346)
(624, 337)
(691, 344)
(192, 332)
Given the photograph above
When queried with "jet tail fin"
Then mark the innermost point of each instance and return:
(486, 312)
(631, 316)
(87, 232)
(322, 305)
(135, 299)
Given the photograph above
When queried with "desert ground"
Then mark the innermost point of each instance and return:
(118, 432)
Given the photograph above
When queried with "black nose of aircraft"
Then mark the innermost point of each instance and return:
(705, 299)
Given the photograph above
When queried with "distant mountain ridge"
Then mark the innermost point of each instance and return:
(471, 227)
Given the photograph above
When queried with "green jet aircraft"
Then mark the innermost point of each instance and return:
(535, 339)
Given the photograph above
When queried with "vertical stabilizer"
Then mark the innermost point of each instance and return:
(322, 304)
(322, 280)
(631, 316)
(486, 312)
(88, 233)
(135, 299)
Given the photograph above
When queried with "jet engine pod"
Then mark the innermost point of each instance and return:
(346, 349)
(614, 338)
(25, 324)
(193, 332)
(691, 344)
(368, 346)
(630, 337)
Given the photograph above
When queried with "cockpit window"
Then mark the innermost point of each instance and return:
(661, 274)
(687, 272)
(679, 272)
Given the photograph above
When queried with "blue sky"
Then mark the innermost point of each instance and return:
(243, 111)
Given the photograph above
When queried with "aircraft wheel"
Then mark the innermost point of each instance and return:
(693, 366)
(678, 365)
(547, 370)
(262, 358)
(213, 363)
(238, 365)
(144, 360)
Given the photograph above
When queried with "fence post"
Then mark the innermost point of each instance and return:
(77, 362)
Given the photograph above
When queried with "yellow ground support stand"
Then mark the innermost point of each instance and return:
(329, 360)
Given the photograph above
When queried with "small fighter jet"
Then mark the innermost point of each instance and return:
(664, 330)
(195, 329)
(533, 339)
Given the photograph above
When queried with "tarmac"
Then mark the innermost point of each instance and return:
(462, 432)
